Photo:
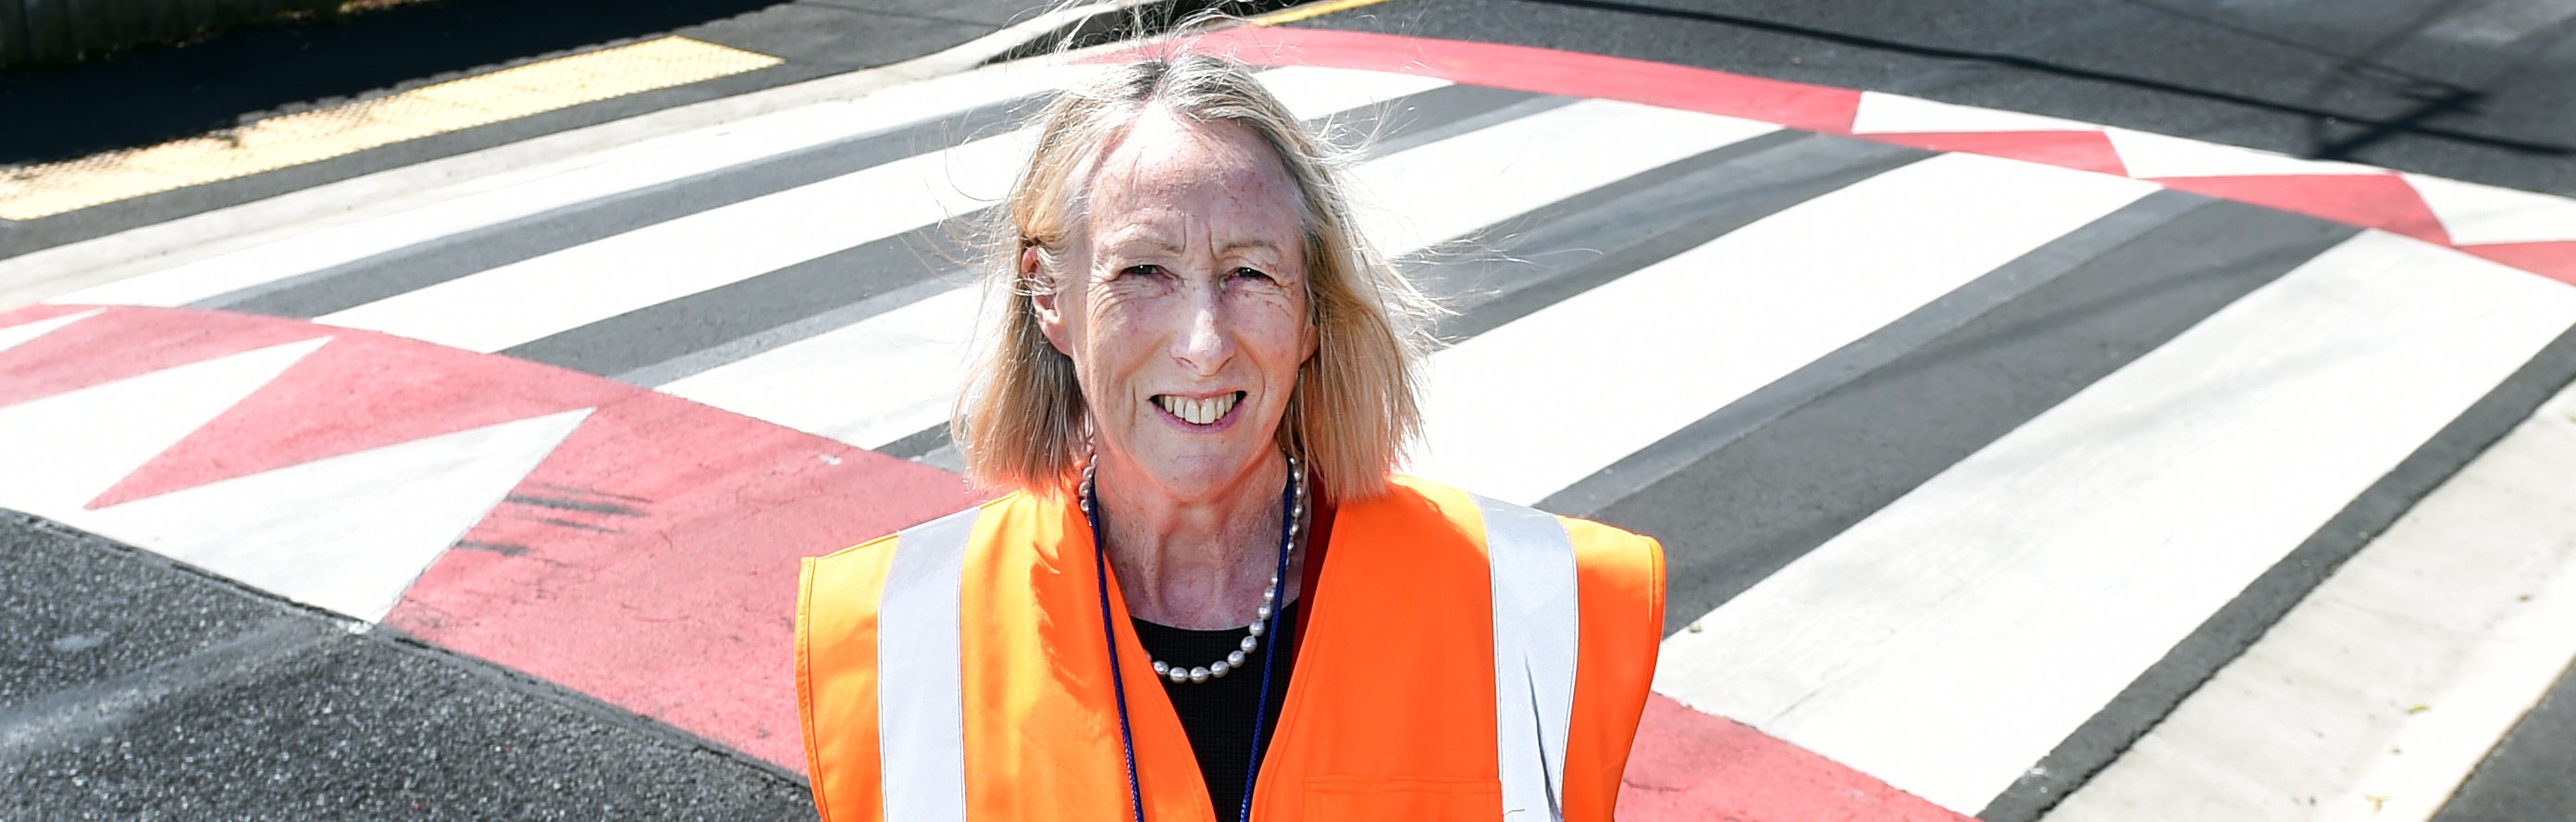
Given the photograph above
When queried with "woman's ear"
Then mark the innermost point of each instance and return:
(1044, 301)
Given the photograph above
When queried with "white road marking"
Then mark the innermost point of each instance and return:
(512, 304)
(1614, 369)
(1884, 113)
(2152, 156)
(885, 378)
(2381, 691)
(1958, 635)
(23, 333)
(611, 172)
(531, 299)
(1449, 190)
(348, 533)
(86, 440)
(2475, 214)
(867, 384)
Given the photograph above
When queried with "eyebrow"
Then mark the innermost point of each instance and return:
(1153, 242)
(1158, 243)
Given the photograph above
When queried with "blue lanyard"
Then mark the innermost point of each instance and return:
(1118, 684)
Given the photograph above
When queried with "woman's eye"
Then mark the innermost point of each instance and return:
(1141, 270)
(1251, 273)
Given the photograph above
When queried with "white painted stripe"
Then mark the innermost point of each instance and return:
(866, 384)
(527, 300)
(1614, 369)
(1483, 179)
(348, 533)
(1537, 624)
(921, 690)
(23, 333)
(502, 307)
(1884, 113)
(1958, 635)
(2150, 156)
(2475, 214)
(885, 378)
(1315, 91)
(2390, 682)
(89, 439)
(612, 172)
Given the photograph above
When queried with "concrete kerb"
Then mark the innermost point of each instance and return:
(44, 274)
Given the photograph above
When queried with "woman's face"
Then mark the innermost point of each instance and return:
(1183, 304)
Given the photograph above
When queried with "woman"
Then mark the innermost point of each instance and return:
(1199, 389)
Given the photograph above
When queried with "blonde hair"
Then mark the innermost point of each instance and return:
(1020, 422)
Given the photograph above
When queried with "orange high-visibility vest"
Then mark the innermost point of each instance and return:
(1462, 658)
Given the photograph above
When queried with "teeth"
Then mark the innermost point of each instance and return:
(1197, 411)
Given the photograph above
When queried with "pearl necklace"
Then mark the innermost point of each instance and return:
(1269, 597)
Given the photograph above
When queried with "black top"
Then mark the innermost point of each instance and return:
(1217, 714)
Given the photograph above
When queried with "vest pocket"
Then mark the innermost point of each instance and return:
(1341, 798)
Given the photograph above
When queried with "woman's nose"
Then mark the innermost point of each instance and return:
(1203, 344)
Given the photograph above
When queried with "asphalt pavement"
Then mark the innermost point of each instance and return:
(2478, 90)
(138, 689)
(2526, 777)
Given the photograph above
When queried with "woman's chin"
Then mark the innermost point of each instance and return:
(1201, 476)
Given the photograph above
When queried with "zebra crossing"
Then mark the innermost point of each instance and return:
(1961, 449)
(2258, 421)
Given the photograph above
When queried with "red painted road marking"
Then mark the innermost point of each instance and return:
(2384, 202)
(2554, 260)
(650, 561)
(1690, 765)
(2080, 150)
(1543, 71)
(362, 391)
(127, 342)
(41, 311)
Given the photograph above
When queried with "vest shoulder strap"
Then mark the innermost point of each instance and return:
(1537, 627)
(920, 711)
(886, 678)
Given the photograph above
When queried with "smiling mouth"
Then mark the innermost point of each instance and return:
(1198, 411)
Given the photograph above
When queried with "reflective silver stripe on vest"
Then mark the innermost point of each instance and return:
(1536, 624)
(921, 695)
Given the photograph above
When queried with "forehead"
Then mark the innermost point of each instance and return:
(1219, 173)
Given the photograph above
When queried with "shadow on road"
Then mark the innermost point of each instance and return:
(160, 93)
(2432, 98)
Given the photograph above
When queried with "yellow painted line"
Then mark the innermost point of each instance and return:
(1310, 10)
(29, 192)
